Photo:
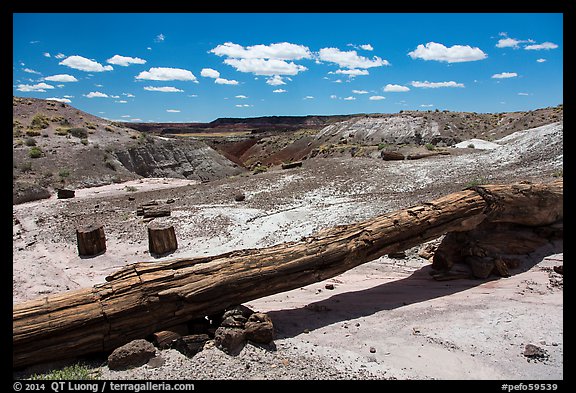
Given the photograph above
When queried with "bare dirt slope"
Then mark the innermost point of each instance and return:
(387, 319)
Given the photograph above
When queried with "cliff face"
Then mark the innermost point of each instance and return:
(179, 159)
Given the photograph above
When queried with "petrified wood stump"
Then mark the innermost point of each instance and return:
(91, 240)
(161, 238)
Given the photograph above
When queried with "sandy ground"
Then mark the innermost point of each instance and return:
(386, 319)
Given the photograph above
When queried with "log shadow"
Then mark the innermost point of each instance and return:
(416, 288)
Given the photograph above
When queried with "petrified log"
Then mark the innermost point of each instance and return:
(147, 297)
(290, 165)
(161, 238)
(91, 240)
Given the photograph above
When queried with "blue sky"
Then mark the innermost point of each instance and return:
(197, 67)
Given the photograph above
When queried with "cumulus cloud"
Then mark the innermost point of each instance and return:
(40, 87)
(209, 73)
(128, 94)
(125, 61)
(352, 72)
(163, 89)
(505, 75)
(65, 100)
(96, 94)
(359, 92)
(434, 85)
(544, 45)
(396, 88)
(84, 64)
(173, 110)
(166, 74)
(121, 102)
(265, 66)
(279, 91)
(376, 98)
(278, 51)
(366, 47)
(426, 105)
(350, 59)
(308, 98)
(61, 78)
(276, 80)
(31, 71)
(508, 43)
(453, 54)
(222, 81)
(541, 60)
(46, 54)
(349, 98)
(242, 97)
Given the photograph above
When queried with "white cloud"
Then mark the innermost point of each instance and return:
(159, 38)
(61, 78)
(46, 54)
(31, 71)
(366, 47)
(121, 102)
(350, 59)
(125, 61)
(60, 56)
(209, 73)
(279, 51)
(96, 94)
(333, 96)
(541, 60)
(434, 85)
(84, 64)
(395, 88)
(125, 116)
(222, 81)
(163, 89)
(352, 72)
(98, 85)
(350, 98)
(128, 95)
(265, 66)
(135, 119)
(544, 45)
(426, 105)
(279, 91)
(166, 74)
(65, 100)
(359, 92)
(453, 54)
(242, 97)
(60, 85)
(173, 110)
(505, 75)
(68, 96)
(338, 81)
(149, 48)
(308, 98)
(242, 105)
(508, 43)
(114, 96)
(376, 98)
(41, 87)
(276, 80)
(523, 94)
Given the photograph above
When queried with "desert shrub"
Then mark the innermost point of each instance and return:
(84, 141)
(62, 131)
(90, 125)
(73, 372)
(559, 173)
(470, 146)
(476, 182)
(382, 146)
(78, 132)
(31, 132)
(39, 122)
(259, 169)
(35, 152)
(30, 142)
(63, 173)
(430, 146)
(26, 166)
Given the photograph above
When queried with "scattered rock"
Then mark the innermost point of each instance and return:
(163, 339)
(372, 350)
(65, 193)
(427, 250)
(259, 328)
(230, 340)
(534, 352)
(239, 197)
(391, 155)
(191, 344)
(397, 255)
(292, 165)
(134, 354)
(559, 269)
(481, 266)
(329, 286)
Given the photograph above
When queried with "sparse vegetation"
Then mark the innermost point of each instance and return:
(73, 372)
(30, 142)
(131, 188)
(559, 173)
(259, 169)
(26, 166)
(32, 133)
(63, 174)
(78, 132)
(35, 152)
(476, 182)
(470, 146)
(39, 122)
(382, 146)
(430, 146)
(84, 141)
(62, 131)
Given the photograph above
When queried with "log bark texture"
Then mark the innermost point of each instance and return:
(91, 240)
(161, 238)
(147, 297)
